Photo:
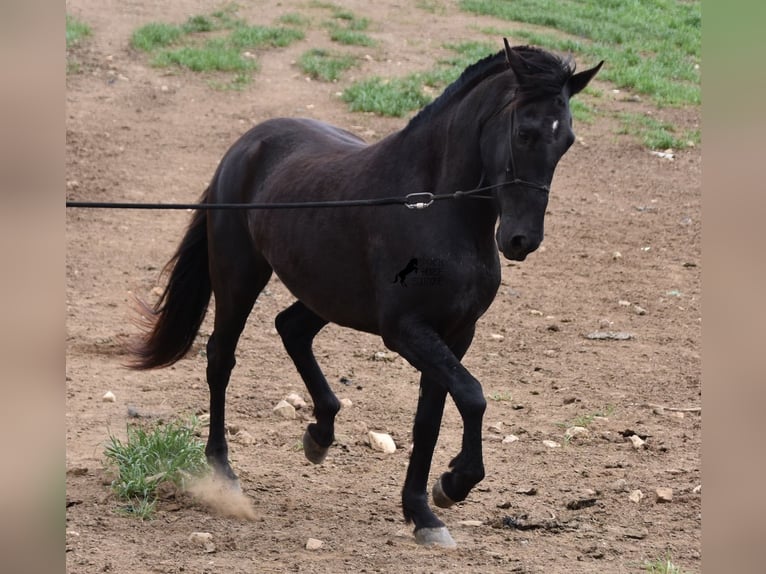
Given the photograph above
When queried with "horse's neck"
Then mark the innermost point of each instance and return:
(444, 151)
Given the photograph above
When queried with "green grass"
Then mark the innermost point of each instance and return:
(503, 396)
(651, 46)
(155, 35)
(394, 97)
(346, 27)
(213, 43)
(264, 36)
(350, 37)
(215, 55)
(656, 134)
(294, 19)
(662, 566)
(432, 6)
(398, 96)
(76, 31)
(323, 65)
(170, 452)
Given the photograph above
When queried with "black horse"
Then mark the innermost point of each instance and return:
(505, 122)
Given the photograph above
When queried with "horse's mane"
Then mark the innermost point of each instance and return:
(540, 74)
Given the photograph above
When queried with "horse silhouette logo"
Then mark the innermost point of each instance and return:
(411, 267)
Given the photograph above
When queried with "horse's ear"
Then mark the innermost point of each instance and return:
(578, 82)
(508, 51)
(515, 61)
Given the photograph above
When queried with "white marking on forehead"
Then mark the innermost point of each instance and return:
(555, 126)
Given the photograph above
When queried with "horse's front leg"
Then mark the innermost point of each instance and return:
(442, 373)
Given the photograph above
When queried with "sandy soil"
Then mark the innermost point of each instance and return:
(137, 133)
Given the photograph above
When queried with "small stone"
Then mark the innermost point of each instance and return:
(496, 427)
(527, 491)
(616, 255)
(635, 496)
(164, 88)
(470, 522)
(637, 441)
(203, 540)
(664, 494)
(576, 431)
(623, 303)
(497, 336)
(314, 544)
(509, 439)
(551, 443)
(244, 437)
(620, 485)
(639, 310)
(108, 397)
(381, 356)
(549, 353)
(382, 442)
(296, 400)
(697, 489)
(536, 312)
(636, 534)
(346, 403)
(285, 410)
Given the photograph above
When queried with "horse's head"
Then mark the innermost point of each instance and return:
(524, 140)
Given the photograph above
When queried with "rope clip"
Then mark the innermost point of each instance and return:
(411, 203)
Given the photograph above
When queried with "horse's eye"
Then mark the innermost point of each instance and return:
(523, 136)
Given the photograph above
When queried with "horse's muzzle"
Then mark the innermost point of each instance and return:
(518, 246)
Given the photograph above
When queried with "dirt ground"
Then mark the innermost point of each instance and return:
(137, 133)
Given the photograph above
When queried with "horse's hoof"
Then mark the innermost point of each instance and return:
(438, 536)
(314, 452)
(440, 499)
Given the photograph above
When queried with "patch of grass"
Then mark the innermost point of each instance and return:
(294, 19)
(350, 37)
(76, 31)
(199, 23)
(662, 566)
(323, 65)
(195, 46)
(586, 419)
(226, 18)
(169, 453)
(652, 46)
(260, 36)
(346, 27)
(394, 97)
(215, 55)
(581, 111)
(656, 134)
(503, 396)
(155, 35)
(432, 6)
(399, 96)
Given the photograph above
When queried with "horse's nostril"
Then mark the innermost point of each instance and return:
(519, 241)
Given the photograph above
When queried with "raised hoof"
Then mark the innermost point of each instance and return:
(438, 536)
(440, 499)
(314, 452)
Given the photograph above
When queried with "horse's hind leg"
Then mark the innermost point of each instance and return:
(298, 325)
(237, 280)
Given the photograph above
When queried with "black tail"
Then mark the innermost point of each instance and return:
(172, 324)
